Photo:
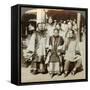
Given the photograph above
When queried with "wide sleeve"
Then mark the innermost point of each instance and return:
(61, 41)
(31, 45)
(50, 43)
(66, 43)
(77, 49)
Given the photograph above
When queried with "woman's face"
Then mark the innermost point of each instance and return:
(70, 34)
(64, 22)
(74, 23)
(41, 26)
(50, 20)
(58, 26)
(31, 27)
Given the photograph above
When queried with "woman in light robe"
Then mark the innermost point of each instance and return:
(41, 47)
(72, 53)
(50, 27)
(30, 43)
(64, 29)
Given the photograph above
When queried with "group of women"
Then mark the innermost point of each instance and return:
(53, 47)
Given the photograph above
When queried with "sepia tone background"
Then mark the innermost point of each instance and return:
(26, 76)
(5, 54)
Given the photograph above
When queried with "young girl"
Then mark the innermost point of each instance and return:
(54, 54)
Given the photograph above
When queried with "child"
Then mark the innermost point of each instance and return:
(54, 54)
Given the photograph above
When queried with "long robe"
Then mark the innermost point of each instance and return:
(30, 46)
(49, 33)
(41, 46)
(72, 50)
(54, 60)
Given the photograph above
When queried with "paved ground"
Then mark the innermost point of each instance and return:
(26, 76)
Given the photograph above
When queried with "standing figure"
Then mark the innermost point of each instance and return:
(82, 33)
(41, 47)
(49, 26)
(72, 54)
(74, 26)
(30, 39)
(54, 57)
(64, 29)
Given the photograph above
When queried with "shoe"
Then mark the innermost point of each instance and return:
(52, 75)
(65, 74)
(73, 72)
(31, 71)
(60, 73)
(34, 72)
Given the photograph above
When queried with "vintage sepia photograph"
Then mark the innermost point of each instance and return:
(53, 44)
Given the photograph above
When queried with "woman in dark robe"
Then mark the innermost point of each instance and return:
(54, 54)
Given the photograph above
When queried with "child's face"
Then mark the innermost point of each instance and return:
(56, 33)
(41, 26)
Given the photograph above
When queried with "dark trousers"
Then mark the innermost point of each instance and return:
(78, 63)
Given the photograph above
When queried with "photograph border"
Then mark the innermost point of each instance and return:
(19, 42)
